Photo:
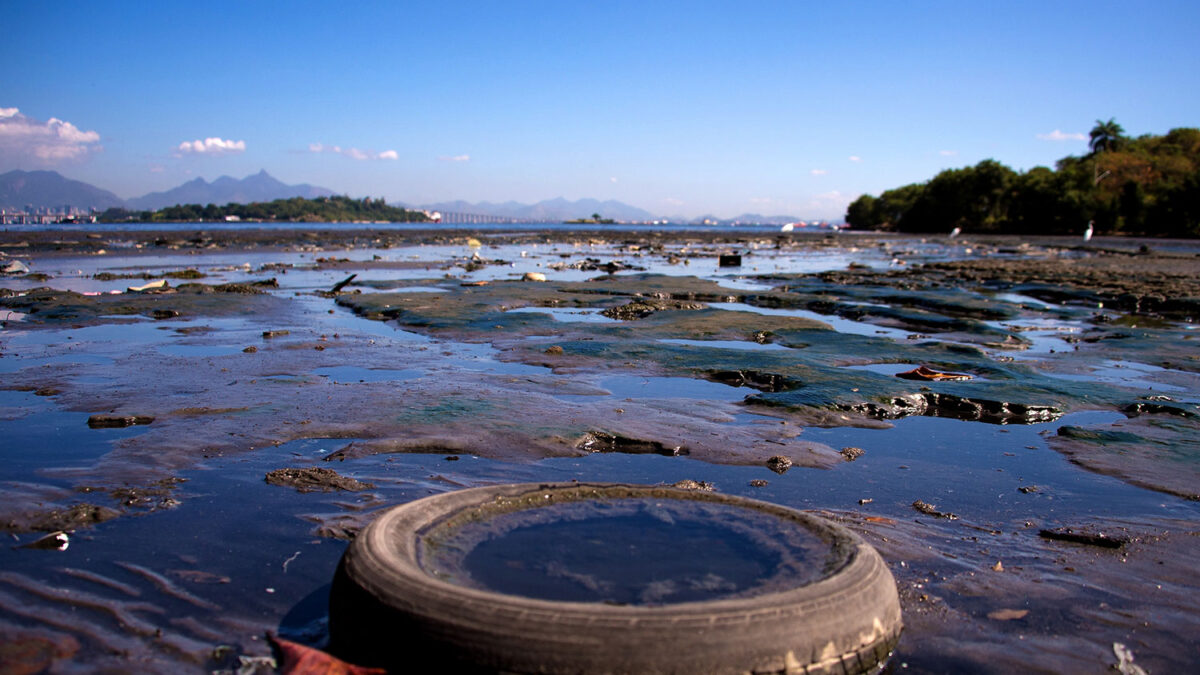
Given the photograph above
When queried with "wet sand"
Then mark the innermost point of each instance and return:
(639, 358)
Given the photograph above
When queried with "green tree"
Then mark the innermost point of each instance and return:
(1105, 136)
(862, 215)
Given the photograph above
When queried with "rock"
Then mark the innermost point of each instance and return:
(698, 485)
(314, 479)
(644, 307)
(533, 276)
(758, 482)
(931, 510)
(268, 334)
(851, 453)
(118, 421)
(779, 463)
(250, 350)
(554, 350)
(729, 260)
(1007, 614)
(1083, 537)
(70, 518)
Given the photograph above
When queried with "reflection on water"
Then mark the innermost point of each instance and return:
(629, 552)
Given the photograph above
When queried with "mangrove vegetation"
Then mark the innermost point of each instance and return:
(1148, 186)
(338, 209)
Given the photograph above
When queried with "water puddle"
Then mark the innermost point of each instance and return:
(199, 351)
(628, 551)
(348, 374)
(638, 387)
(567, 314)
(836, 322)
(1129, 374)
(39, 439)
(727, 344)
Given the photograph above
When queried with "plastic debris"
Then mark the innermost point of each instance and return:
(1125, 664)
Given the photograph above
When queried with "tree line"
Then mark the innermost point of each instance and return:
(1149, 186)
(338, 209)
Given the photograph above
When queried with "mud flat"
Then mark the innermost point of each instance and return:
(388, 365)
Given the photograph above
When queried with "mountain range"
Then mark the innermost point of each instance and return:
(50, 190)
(550, 210)
(261, 187)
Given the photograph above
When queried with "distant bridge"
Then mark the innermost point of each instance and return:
(454, 218)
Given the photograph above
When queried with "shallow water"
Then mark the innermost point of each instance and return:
(629, 552)
(223, 556)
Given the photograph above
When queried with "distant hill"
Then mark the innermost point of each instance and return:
(49, 189)
(550, 210)
(261, 187)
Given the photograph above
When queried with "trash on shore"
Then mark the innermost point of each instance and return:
(14, 267)
(337, 288)
(926, 373)
(159, 285)
(55, 541)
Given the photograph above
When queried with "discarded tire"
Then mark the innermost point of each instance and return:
(391, 606)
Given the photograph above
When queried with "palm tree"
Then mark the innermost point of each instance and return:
(1105, 136)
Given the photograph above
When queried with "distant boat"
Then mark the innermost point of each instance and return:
(955, 232)
(1087, 234)
(788, 227)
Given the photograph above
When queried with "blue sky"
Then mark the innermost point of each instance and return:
(678, 108)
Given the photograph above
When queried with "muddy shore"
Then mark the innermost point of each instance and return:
(362, 368)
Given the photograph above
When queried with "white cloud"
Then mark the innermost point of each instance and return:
(1057, 135)
(612, 179)
(673, 202)
(456, 158)
(23, 137)
(212, 146)
(947, 153)
(819, 172)
(353, 153)
(855, 158)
